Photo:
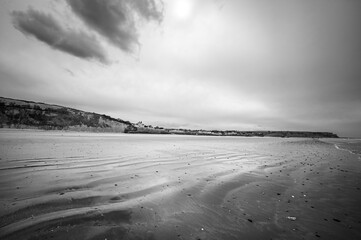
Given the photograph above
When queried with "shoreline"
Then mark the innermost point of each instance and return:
(247, 134)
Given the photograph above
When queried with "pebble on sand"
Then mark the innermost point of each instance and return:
(291, 218)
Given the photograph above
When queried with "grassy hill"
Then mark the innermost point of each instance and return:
(26, 114)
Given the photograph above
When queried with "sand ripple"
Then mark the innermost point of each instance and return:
(139, 186)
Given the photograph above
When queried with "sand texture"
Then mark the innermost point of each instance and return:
(63, 185)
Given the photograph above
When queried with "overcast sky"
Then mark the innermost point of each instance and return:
(210, 64)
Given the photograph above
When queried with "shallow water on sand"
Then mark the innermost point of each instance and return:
(66, 185)
(349, 144)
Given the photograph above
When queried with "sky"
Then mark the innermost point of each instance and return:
(198, 64)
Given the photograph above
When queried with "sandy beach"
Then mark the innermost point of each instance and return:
(69, 185)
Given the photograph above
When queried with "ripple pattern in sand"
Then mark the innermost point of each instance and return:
(145, 186)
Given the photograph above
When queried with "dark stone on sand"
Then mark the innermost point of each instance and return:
(336, 220)
(250, 220)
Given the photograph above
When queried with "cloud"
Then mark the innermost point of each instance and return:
(46, 29)
(117, 20)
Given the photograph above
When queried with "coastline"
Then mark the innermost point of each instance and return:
(186, 132)
(24, 114)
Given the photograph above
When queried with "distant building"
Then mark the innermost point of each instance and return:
(139, 124)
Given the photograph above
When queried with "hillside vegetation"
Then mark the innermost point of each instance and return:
(27, 114)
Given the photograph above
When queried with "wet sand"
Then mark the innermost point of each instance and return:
(61, 185)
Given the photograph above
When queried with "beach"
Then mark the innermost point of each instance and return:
(71, 185)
